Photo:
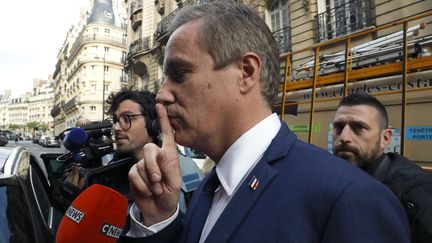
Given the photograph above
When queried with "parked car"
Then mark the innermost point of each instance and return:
(198, 157)
(3, 140)
(36, 139)
(27, 213)
(41, 140)
(51, 141)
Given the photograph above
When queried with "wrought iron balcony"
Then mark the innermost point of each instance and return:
(344, 19)
(55, 111)
(136, 5)
(162, 26)
(140, 45)
(70, 104)
(283, 39)
(190, 2)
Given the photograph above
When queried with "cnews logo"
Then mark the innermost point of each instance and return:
(74, 214)
(110, 230)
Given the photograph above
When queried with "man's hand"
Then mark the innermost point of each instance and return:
(75, 178)
(156, 180)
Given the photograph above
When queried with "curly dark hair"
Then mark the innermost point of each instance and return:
(146, 100)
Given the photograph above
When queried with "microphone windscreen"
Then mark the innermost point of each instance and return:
(75, 139)
(98, 214)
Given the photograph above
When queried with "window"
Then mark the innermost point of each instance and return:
(93, 108)
(341, 17)
(107, 31)
(106, 68)
(280, 24)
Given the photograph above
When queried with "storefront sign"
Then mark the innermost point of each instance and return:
(304, 128)
(419, 133)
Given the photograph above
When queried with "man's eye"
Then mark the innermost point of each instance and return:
(357, 127)
(127, 119)
(337, 128)
(178, 76)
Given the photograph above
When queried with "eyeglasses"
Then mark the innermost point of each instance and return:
(125, 120)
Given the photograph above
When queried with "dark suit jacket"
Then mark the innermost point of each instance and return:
(305, 194)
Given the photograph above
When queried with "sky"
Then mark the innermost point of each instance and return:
(32, 33)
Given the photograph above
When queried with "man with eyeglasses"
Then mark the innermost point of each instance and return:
(135, 124)
(134, 121)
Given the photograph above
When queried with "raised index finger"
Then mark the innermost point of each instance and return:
(168, 141)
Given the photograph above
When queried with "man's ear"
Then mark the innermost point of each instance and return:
(251, 71)
(385, 138)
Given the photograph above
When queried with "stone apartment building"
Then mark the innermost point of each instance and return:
(41, 102)
(17, 112)
(90, 64)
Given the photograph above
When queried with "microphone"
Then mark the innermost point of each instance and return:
(96, 215)
(75, 139)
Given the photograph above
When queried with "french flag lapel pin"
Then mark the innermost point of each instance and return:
(253, 183)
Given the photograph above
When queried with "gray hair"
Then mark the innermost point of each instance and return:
(230, 30)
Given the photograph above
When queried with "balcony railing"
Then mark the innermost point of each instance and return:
(162, 26)
(140, 45)
(344, 19)
(70, 104)
(190, 2)
(55, 111)
(283, 39)
(135, 5)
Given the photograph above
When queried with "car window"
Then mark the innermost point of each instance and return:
(4, 154)
(38, 182)
(15, 223)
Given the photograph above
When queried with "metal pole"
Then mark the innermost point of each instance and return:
(103, 89)
(347, 66)
(287, 79)
(312, 108)
(404, 89)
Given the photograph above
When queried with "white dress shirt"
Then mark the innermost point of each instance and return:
(236, 163)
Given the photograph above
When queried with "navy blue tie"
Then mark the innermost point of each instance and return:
(202, 208)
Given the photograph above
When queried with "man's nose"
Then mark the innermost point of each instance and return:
(165, 96)
(346, 134)
(116, 126)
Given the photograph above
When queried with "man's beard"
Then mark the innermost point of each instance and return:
(355, 157)
(125, 152)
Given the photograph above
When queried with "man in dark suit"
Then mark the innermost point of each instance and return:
(222, 69)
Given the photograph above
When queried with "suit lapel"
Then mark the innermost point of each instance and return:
(246, 196)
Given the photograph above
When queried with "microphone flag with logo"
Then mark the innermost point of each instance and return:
(98, 214)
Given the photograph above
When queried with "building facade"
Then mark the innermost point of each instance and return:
(41, 102)
(16, 113)
(90, 64)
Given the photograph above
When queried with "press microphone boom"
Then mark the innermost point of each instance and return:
(96, 215)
